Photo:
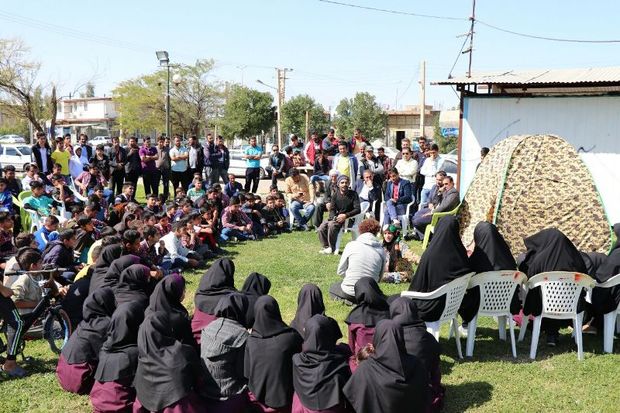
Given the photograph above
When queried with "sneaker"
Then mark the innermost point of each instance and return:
(553, 339)
(304, 227)
(336, 252)
(326, 250)
(463, 331)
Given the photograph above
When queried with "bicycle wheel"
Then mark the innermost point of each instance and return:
(57, 329)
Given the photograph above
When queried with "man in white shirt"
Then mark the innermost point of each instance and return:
(178, 165)
(432, 164)
(179, 255)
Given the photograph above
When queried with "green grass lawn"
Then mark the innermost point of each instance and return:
(491, 381)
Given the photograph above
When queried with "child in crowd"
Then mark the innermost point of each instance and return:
(235, 222)
(7, 247)
(163, 224)
(197, 190)
(6, 197)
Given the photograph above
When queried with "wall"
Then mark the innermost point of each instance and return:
(591, 123)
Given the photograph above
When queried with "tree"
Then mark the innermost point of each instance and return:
(445, 143)
(20, 94)
(194, 100)
(360, 112)
(294, 116)
(247, 112)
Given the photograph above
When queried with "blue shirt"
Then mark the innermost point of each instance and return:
(253, 150)
(181, 165)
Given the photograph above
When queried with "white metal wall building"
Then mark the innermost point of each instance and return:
(580, 105)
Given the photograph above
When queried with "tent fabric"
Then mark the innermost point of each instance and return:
(531, 182)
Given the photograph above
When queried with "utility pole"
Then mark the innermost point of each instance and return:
(471, 36)
(422, 96)
(281, 93)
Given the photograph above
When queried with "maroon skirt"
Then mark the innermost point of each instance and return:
(260, 407)
(113, 396)
(299, 408)
(234, 404)
(75, 378)
(199, 321)
(192, 403)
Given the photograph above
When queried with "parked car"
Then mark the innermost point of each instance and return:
(12, 139)
(450, 166)
(238, 164)
(17, 155)
(100, 140)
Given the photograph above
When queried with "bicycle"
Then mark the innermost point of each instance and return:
(56, 323)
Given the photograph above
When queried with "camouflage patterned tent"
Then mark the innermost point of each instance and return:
(530, 182)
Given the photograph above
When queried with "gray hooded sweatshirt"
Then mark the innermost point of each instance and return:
(363, 257)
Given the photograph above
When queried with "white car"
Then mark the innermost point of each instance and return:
(12, 139)
(238, 165)
(17, 155)
(100, 140)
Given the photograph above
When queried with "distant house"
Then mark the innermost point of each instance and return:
(93, 116)
(406, 124)
(579, 105)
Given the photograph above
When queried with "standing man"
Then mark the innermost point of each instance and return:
(87, 150)
(118, 158)
(223, 160)
(358, 143)
(101, 160)
(312, 148)
(61, 156)
(178, 167)
(432, 164)
(162, 164)
(42, 154)
(211, 160)
(148, 156)
(344, 204)
(133, 167)
(295, 144)
(196, 156)
(252, 156)
(345, 163)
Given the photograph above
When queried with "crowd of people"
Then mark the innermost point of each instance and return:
(137, 348)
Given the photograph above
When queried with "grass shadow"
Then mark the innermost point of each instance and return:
(461, 397)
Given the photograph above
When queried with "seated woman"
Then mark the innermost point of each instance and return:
(113, 390)
(269, 359)
(133, 285)
(78, 360)
(108, 276)
(390, 380)
(321, 370)
(255, 286)
(605, 300)
(222, 350)
(421, 344)
(549, 250)
(168, 297)
(372, 307)
(363, 257)
(444, 260)
(168, 371)
(216, 283)
(309, 303)
(491, 253)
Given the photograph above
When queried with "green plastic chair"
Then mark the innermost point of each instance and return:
(430, 228)
(28, 223)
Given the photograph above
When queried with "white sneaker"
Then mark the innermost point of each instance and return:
(463, 331)
(327, 250)
(336, 252)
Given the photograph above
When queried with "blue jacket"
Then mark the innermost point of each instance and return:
(404, 191)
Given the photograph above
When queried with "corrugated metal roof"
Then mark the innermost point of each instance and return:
(540, 76)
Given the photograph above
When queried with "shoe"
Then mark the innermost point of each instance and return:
(17, 372)
(589, 329)
(326, 250)
(336, 252)
(304, 227)
(553, 339)
(396, 222)
(463, 331)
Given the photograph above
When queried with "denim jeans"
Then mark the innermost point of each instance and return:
(296, 209)
(228, 233)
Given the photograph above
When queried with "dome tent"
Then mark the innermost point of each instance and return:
(531, 182)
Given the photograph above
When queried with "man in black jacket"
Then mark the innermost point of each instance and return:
(118, 159)
(344, 204)
(42, 154)
(277, 164)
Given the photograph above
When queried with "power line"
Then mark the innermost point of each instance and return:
(551, 39)
(489, 25)
(404, 13)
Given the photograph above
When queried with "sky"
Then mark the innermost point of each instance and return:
(334, 50)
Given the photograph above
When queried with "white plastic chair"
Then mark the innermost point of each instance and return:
(496, 291)
(454, 292)
(354, 228)
(611, 320)
(404, 219)
(560, 292)
(76, 192)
